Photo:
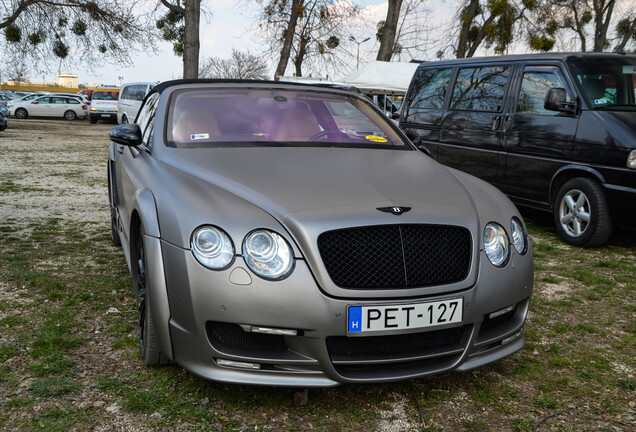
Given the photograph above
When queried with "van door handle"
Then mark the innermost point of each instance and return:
(507, 124)
(496, 120)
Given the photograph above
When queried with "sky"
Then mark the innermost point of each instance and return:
(230, 27)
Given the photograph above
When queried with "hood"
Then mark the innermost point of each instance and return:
(313, 190)
(330, 184)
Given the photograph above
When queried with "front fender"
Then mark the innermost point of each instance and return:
(157, 294)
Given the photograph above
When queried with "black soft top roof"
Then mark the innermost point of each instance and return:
(159, 88)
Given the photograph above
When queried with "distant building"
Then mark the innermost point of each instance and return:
(67, 80)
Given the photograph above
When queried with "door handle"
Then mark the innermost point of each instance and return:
(507, 124)
(496, 120)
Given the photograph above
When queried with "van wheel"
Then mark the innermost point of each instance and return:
(124, 120)
(21, 113)
(581, 213)
(70, 115)
(148, 341)
(92, 119)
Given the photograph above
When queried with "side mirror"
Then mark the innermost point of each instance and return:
(425, 150)
(396, 115)
(126, 134)
(556, 100)
(413, 136)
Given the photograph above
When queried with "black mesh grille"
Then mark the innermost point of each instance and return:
(396, 256)
(226, 335)
(342, 348)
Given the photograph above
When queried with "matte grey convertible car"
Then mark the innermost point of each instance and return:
(286, 234)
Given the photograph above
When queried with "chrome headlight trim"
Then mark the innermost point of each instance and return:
(268, 254)
(496, 244)
(518, 235)
(631, 160)
(212, 247)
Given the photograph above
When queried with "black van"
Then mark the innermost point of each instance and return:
(552, 131)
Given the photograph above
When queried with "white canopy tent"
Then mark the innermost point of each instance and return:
(386, 78)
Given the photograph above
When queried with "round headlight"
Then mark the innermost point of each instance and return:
(212, 247)
(496, 244)
(518, 235)
(268, 255)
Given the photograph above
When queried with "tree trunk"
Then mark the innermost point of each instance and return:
(300, 57)
(467, 18)
(288, 39)
(602, 16)
(191, 39)
(390, 29)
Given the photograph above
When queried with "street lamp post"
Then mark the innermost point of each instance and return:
(353, 39)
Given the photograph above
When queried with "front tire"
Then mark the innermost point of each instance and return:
(92, 119)
(21, 113)
(581, 213)
(124, 120)
(70, 115)
(114, 232)
(148, 341)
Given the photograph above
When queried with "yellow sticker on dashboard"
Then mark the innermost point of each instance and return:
(376, 138)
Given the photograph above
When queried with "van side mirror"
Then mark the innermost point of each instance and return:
(556, 100)
(413, 136)
(126, 134)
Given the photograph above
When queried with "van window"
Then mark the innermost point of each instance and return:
(480, 88)
(134, 92)
(106, 94)
(429, 88)
(607, 83)
(534, 87)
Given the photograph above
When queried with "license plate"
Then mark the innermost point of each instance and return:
(363, 319)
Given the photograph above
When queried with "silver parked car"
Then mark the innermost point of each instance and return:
(286, 234)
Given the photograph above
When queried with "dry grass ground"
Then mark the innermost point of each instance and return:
(68, 343)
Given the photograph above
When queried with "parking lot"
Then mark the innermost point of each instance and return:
(68, 348)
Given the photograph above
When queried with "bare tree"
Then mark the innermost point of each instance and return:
(489, 24)
(589, 21)
(190, 10)
(241, 65)
(413, 31)
(389, 31)
(310, 32)
(47, 32)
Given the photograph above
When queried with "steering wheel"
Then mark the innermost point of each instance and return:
(326, 133)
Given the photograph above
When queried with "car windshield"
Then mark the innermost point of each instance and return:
(608, 83)
(239, 117)
(105, 94)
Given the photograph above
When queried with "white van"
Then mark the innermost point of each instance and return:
(104, 104)
(130, 98)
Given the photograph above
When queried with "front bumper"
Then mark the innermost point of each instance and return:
(213, 314)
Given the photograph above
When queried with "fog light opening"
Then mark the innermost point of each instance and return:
(237, 364)
(501, 312)
(274, 331)
(511, 338)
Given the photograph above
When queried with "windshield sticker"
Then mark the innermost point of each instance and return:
(199, 136)
(600, 101)
(629, 69)
(376, 138)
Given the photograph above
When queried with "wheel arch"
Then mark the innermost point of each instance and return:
(144, 213)
(569, 172)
